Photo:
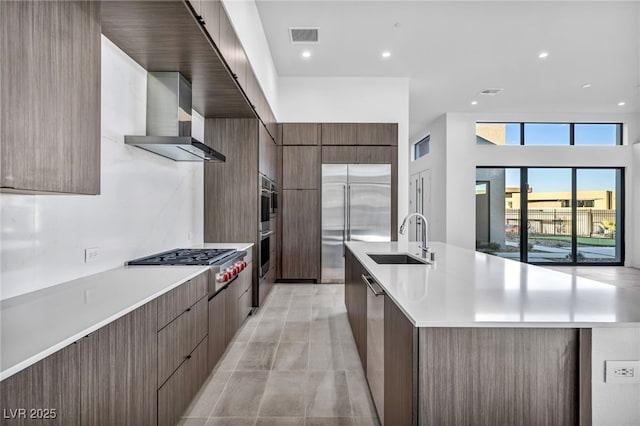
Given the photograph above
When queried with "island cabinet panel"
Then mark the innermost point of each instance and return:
(498, 376)
(400, 362)
(356, 302)
(339, 133)
(49, 388)
(50, 104)
(119, 371)
(377, 134)
(231, 295)
(300, 234)
(300, 133)
(217, 343)
(300, 167)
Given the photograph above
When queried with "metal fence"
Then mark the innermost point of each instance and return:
(590, 222)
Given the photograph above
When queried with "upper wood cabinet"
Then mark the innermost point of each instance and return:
(374, 154)
(300, 134)
(267, 155)
(50, 104)
(339, 133)
(301, 167)
(377, 134)
(228, 41)
(359, 133)
(339, 154)
(210, 11)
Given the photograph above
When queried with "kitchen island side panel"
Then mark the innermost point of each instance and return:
(499, 376)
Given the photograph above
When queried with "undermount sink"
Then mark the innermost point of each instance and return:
(397, 259)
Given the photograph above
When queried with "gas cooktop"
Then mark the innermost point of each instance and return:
(185, 257)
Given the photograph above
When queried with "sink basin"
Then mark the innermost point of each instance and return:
(397, 259)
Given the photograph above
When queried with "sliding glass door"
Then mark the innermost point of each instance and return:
(551, 215)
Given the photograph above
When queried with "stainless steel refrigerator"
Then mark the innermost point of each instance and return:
(356, 206)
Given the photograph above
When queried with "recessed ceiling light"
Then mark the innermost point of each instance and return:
(543, 55)
(622, 103)
(306, 54)
(386, 54)
(586, 86)
(474, 102)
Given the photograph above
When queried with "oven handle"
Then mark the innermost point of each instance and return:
(265, 191)
(265, 234)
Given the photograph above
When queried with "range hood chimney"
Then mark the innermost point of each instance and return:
(169, 121)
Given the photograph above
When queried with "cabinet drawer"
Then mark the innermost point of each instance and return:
(244, 306)
(178, 339)
(173, 303)
(176, 394)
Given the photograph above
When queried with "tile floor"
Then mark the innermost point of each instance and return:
(294, 363)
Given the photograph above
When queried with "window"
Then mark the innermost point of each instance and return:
(598, 134)
(551, 215)
(498, 133)
(549, 134)
(421, 148)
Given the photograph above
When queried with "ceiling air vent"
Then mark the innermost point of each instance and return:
(303, 35)
(490, 92)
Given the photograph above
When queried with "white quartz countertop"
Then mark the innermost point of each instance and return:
(35, 325)
(464, 288)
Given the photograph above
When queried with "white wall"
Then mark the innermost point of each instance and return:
(352, 99)
(147, 203)
(248, 25)
(463, 155)
(436, 162)
(614, 403)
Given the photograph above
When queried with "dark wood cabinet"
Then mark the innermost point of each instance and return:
(217, 342)
(400, 359)
(51, 384)
(339, 133)
(178, 339)
(176, 394)
(228, 41)
(374, 154)
(300, 134)
(356, 302)
(176, 301)
(267, 154)
(300, 167)
(210, 11)
(300, 234)
(50, 105)
(231, 325)
(340, 154)
(377, 134)
(119, 371)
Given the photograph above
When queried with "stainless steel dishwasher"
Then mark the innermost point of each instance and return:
(375, 343)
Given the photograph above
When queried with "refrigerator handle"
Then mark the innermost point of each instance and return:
(344, 216)
(348, 212)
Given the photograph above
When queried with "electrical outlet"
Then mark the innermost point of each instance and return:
(90, 254)
(622, 371)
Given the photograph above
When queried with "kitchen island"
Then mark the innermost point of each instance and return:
(474, 339)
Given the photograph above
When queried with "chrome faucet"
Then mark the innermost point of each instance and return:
(425, 240)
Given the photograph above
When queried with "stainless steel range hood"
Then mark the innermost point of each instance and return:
(169, 121)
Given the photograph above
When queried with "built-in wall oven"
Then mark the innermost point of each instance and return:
(265, 204)
(264, 252)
